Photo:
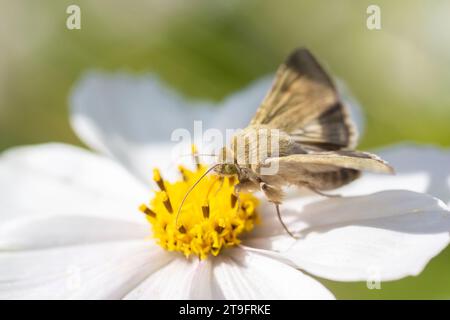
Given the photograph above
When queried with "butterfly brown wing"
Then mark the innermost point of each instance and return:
(319, 161)
(304, 103)
(325, 170)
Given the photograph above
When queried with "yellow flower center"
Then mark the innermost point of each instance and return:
(212, 216)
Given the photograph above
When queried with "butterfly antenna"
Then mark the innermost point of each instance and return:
(222, 180)
(212, 187)
(190, 190)
(198, 154)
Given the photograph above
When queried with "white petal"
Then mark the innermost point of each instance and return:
(269, 234)
(56, 179)
(124, 115)
(243, 275)
(64, 230)
(418, 168)
(392, 233)
(181, 279)
(102, 271)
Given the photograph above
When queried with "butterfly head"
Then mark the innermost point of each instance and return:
(226, 169)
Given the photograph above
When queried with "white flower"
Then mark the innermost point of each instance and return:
(70, 228)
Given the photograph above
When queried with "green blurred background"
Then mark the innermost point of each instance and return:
(208, 49)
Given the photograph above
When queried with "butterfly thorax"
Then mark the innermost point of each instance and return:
(251, 146)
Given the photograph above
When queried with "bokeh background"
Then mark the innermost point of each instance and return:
(208, 49)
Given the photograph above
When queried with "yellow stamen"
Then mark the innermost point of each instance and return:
(159, 181)
(166, 201)
(195, 155)
(205, 210)
(147, 211)
(208, 222)
(183, 172)
(234, 199)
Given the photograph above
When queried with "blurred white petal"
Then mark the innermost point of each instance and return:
(241, 275)
(110, 110)
(124, 116)
(238, 109)
(101, 271)
(394, 232)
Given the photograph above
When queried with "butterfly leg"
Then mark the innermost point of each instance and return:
(245, 185)
(274, 194)
(277, 207)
